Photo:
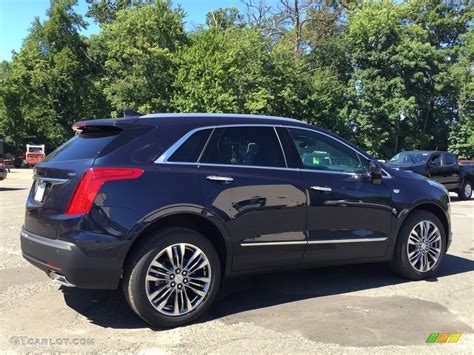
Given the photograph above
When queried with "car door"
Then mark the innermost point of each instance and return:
(435, 168)
(451, 171)
(246, 184)
(349, 216)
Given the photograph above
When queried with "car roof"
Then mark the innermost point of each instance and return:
(189, 121)
(222, 118)
(195, 120)
(424, 151)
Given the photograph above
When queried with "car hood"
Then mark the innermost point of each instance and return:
(404, 166)
(403, 171)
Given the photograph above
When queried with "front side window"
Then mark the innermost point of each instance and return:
(245, 146)
(320, 152)
(435, 159)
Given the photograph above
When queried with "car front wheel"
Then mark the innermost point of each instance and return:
(420, 247)
(173, 278)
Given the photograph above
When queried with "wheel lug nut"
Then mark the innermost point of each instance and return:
(184, 273)
(177, 271)
(185, 281)
(173, 284)
(171, 277)
(180, 286)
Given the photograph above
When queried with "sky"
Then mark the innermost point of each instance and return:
(16, 17)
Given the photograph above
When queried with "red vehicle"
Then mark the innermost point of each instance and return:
(34, 154)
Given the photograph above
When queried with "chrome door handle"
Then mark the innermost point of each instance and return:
(321, 188)
(222, 179)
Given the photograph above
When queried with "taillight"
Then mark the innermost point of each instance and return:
(2, 164)
(90, 184)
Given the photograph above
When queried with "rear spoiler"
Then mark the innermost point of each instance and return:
(106, 123)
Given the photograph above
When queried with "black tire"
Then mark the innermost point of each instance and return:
(134, 284)
(465, 192)
(400, 263)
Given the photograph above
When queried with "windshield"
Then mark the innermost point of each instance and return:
(410, 158)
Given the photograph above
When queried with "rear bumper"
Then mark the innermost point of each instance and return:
(67, 259)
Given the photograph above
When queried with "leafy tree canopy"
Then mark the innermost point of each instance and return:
(388, 75)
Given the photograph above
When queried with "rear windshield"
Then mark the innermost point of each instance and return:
(86, 145)
(36, 150)
(410, 158)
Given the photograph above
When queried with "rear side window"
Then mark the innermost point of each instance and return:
(190, 150)
(247, 146)
(86, 145)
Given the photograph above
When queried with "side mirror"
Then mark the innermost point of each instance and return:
(375, 172)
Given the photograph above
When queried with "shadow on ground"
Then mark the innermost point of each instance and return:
(455, 198)
(12, 188)
(252, 293)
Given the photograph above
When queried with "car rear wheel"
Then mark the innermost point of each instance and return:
(420, 247)
(466, 191)
(173, 278)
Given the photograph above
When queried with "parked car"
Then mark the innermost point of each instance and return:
(439, 166)
(34, 154)
(3, 167)
(3, 173)
(170, 204)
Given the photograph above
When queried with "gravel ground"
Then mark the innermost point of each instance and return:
(347, 309)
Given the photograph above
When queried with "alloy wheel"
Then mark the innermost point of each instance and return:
(424, 246)
(467, 190)
(178, 279)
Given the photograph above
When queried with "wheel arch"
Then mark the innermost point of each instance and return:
(193, 221)
(437, 210)
(468, 177)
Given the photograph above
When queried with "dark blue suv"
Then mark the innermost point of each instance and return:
(167, 205)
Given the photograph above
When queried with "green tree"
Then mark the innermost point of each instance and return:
(138, 52)
(50, 82)
(401, 92)
(223, 71)
(224, 18)
(377, 99)
(430, 47)
(105, 11)
(461, 138)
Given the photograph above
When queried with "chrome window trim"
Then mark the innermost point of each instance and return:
(205, 145)
(281, 145)
(163, 158)
(312, 242)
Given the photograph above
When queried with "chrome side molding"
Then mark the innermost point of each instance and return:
(321, 188)
(327, 241)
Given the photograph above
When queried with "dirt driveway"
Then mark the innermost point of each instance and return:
(362, 308)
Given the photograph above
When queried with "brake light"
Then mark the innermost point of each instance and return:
(90, 184)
